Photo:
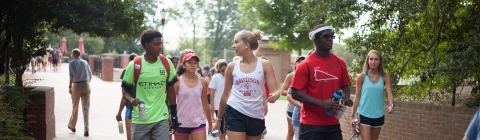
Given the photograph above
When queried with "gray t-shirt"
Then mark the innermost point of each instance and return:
(55, 55)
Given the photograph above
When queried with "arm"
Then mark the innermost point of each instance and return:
(265, 101)
(71, 70)
(388, 87)
(472, 130)
(293, 101)
(123, 102)
(358, 92)
(305, 98)
(212, 102)
(286, 84)
(271, 81)
(128, 85)
(299, 83)
(206, 108)
(226, 90)
(345, 83)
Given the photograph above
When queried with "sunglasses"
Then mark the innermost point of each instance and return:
(328, 37)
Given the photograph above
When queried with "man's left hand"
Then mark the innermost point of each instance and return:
(348, 102)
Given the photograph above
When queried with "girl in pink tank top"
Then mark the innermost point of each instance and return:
(191, 93)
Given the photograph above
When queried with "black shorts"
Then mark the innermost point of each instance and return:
(222, 124)
(238, 122)
(315, 132)
(372, 122)
(289, 115)
(54, 61)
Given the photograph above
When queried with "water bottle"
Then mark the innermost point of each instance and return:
(339, 113)
(120, 127)
(141, 110)
(214, 133)
(336, 97)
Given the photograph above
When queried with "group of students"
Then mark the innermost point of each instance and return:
(172, 94)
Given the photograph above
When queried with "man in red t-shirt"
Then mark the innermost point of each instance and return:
(314, 83)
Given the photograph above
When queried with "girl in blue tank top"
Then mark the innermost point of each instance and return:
(369, 96)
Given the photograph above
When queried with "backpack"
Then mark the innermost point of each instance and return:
(138, 67)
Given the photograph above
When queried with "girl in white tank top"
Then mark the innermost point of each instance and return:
(192, 93)
(243, 97)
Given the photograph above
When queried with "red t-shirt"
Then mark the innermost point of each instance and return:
(267, 92)
(320, 79)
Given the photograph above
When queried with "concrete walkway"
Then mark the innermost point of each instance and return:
(104, 101)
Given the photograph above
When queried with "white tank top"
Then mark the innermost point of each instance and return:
(247, 94)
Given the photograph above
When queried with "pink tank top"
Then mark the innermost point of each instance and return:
(189, 105)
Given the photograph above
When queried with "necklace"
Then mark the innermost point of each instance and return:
(374, 78)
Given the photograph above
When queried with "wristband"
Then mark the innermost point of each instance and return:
(392, 105)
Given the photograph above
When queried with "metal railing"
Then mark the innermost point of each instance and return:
(98, 66)
(116, 62)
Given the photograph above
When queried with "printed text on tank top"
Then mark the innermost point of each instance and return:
(247, 90)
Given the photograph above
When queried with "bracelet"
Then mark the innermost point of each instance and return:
(218, 119)
(392, 105)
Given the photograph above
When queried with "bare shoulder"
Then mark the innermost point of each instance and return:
(361, 76)
(290, 75)
(204, 81)
(231, 65)
(266, 62)
(386, 77)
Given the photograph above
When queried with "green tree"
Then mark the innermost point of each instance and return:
(222, 25)
(22, 28)
(188, 13)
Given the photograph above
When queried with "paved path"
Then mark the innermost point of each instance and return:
(104, 101)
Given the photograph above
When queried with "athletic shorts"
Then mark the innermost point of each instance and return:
(222, 123)
(54, 61)
(238, 122)
(128, 113)
(183, 131)
(372, 122)
(289, 115)
(153, 131)
(315, 132)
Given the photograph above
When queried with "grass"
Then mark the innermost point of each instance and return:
(282, 97)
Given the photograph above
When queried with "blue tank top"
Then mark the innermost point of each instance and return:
(371, 98)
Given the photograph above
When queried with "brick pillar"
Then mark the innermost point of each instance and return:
(41, 108)
(107, 68)
(124, 59)
(91, 62)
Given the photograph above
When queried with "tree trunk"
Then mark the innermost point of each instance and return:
(300, 52)
(454, 89)
(19, 60)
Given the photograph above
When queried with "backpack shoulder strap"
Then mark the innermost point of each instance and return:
(166, 65)
(137, 69)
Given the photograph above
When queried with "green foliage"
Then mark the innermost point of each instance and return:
(22, 28)
(434, 38)
(13, 101)
(220, 27)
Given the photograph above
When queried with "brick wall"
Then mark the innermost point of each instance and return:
(123, 60)
(265, 49)
(41, 110)
(91, 62)
(417, 121)
(107, 68)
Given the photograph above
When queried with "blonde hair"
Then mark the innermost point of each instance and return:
(235, 58)
(250, 37)
(381, 68)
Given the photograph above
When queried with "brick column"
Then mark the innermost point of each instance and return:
(91, 62)
(124, 59)
(107, 68)
(41, 108)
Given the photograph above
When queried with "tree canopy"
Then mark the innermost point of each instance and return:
(434, 40)
(23, 23)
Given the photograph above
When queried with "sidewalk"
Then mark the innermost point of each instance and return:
(104, 101)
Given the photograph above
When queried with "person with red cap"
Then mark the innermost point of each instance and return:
(191, 91)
